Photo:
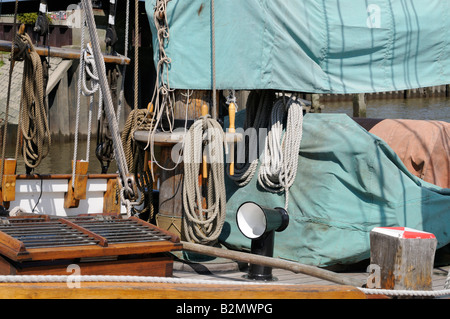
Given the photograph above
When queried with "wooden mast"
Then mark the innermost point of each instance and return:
(170, 191)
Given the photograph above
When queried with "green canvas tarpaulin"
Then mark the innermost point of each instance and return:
(319, 46)
(348, 182)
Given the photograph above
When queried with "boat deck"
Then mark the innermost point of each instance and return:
(232, 272)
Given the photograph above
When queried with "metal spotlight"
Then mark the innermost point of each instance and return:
(260, 224)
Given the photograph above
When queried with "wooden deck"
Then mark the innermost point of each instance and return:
(231, 272)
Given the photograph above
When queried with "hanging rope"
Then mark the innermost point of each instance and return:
(204, 225)
(137, 119)
(280, 161)
(33, 121)
(127, 181)
(163, 96)
(88, 85)
(258, 108)
(124, 71)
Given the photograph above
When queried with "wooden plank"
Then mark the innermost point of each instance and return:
(69, 198)
(67, 252)
(78, 191)
(10, 246)
(150, 265)
(9, 180)
(64, 176)
(120, 290)
(81, 179)
(102, 241)
(111, 202)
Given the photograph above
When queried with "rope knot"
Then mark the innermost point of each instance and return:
(24, 44)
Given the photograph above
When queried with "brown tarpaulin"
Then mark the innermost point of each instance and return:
(423, 146)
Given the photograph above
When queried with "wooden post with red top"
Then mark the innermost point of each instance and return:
(405, 257)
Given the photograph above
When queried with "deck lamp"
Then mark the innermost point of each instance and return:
(260, 224)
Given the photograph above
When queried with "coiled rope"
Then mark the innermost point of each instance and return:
(33, 122)
(138, 119)
(280, 161)
(259, 105)
(204, 225)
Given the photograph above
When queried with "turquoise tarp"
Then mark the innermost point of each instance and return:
(332, 46)
(348, 182)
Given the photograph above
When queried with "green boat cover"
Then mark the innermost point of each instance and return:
(348, 182)
(316, 46)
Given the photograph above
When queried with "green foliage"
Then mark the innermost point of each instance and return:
(30, 18)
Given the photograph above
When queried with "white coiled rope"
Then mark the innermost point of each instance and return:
(280, 161)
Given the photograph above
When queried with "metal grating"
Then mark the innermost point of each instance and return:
(45, 238)
(40, 233)
(118, 231)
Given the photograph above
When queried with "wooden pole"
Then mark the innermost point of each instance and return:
(170, 210)
(272, 262)
(64, 53)
(359, 105)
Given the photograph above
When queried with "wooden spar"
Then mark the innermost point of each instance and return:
(65, 53)
(272, 262)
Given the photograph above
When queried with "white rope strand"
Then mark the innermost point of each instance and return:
(110, 278)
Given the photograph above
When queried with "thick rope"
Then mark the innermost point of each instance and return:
(406, 293)
(33, 114)
(204, 225)
(109, 278)
(138, 119)
(109, 107)
(280, 161)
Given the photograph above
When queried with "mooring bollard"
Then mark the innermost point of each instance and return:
(405, 257)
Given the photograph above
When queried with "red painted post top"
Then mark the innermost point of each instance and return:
(403, 232)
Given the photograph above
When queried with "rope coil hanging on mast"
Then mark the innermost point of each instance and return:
(204, 225)
(33, 122)
(280, 161)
